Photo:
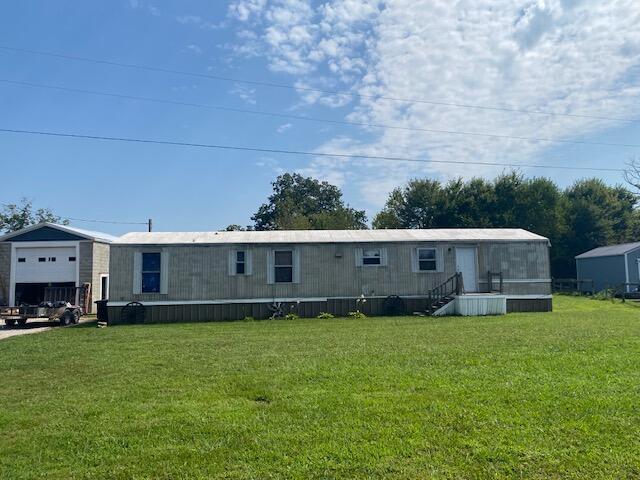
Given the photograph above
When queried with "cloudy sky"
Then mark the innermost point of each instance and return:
(467, 81)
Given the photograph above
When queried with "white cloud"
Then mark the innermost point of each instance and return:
(194, 48)
(141, 4)
(199, 22)
(284, 127)
(246, 94)
(565, 56)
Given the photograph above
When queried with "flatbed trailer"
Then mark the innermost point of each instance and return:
(63, 312)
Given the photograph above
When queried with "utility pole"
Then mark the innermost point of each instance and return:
(150, 224)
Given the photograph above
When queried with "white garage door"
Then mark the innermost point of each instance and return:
(46, 264)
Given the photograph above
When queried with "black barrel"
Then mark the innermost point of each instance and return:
(102, 310)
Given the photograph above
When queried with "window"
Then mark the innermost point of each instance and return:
(427, 260)
(151, 273)
(283, 266)
(42, 259)
(72, 259)
(52, 259)
(371, 256)
(241, 263)
(22, 260)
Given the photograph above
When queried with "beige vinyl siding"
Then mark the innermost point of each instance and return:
(94, 260)
(201, 272)
(5, 271)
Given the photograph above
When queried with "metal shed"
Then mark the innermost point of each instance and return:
(609, 267)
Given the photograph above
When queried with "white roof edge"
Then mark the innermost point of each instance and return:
(89, 235)
(330, 236)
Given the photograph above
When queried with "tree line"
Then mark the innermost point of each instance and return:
(585, 215)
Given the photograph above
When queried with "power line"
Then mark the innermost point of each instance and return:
(298, 152)
(309, 89)
(114, 222)
(314, 119)
(103, 221)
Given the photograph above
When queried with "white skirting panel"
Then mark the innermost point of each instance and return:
(476, 305)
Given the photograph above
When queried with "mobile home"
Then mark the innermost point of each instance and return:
(205, 276)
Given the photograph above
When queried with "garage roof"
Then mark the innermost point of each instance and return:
(87, 234)
(610, 251)
(331, 236)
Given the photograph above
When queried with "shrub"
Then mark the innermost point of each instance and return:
(248, 319)
(357, 315)
(605, 294)
(291, 316)
(325, 315)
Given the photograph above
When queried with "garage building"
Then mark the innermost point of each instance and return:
(68, 262)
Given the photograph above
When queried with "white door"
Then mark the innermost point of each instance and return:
(467, 264)
(45, 264)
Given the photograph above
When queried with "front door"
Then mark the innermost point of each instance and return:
(467, 264)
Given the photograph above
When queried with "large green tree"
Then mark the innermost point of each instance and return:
(14, 217)
(594, 214)
(509, 201)
(304, 203)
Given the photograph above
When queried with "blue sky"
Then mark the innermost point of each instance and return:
(565, 56)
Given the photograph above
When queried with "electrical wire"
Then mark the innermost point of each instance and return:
(315, 119)
(114, 222)
(299, 152)
(308, 89)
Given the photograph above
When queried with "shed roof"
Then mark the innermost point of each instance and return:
(610, 250)
(88, 234)
(332, 236)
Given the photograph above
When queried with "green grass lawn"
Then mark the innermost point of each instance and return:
(553, 395)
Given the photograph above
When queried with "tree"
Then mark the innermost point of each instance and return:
(632, 173)
(235, 228)
(594, 214)
(304, 203)
(14, 217)
(418, 205)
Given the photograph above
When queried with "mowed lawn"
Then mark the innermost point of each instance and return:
(552, 395)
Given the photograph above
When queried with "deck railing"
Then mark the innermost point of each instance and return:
(451, 286)
(491, 278)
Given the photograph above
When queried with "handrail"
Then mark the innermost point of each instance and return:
(452, 285)
(490, 277)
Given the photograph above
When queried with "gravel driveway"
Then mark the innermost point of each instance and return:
(31, 327)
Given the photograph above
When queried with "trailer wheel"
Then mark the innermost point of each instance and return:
(10, 323)
(22, 322)
(66, 318)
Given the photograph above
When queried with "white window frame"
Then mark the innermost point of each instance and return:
(439, 259)
(276, 266)
(360, 256)
(295, 267)
(242, 262)
(366, 254)
(233, 262)
(434, 260)
(102, 292)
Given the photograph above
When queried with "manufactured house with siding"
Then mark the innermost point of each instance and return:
(48, 259)
(609, 267)
(231, 275)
